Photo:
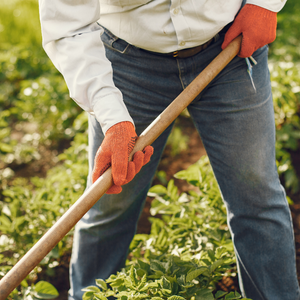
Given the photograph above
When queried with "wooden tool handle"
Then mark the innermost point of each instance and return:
(34, 256)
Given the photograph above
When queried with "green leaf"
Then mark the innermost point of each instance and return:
(116, 283)
(6, 148)
(204, 294)
(18, 222)
(157, 190)
(166, 284)
(191, 174)
(149, 285)
(216, 264)
(156, 265)
(109, 293)
(220, 294)
(195, 273)
(211, 253)
(132, 275)
(175, 297)
(220, 251)
(142, 282)
(141, 272)
(144, 266)
(88, 296)
(172, 190)
(4, 133)
(232, 296)
(102, 284)
(91, 288)
(100, 296)
(5, 221)
(181, 279)
(166, 292)
(45, 290)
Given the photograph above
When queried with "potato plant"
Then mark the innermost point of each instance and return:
(188, 250)
(28, 210)
(40, 290)
(170, 278)
(285, 79)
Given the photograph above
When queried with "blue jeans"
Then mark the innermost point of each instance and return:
(237, 128)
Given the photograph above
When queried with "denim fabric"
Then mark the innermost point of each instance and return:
(236, 125)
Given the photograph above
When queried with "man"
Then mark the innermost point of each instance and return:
(152, 50)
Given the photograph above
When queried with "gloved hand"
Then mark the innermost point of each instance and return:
(258, 27)
(114, 151)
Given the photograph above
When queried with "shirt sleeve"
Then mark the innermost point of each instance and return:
(272, 5)
(71, 38)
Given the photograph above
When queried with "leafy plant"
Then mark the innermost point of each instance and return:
(35, 107)
(186, 223)
(285, 78)
(29, 210)
(170, 278)
(188, 250)
(40, 290)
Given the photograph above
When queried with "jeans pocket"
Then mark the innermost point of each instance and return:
(113, 42)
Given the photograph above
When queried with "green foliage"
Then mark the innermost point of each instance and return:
(285, 75)
(177, 141)
(285, 79)
(188, 250)
(41, 290)
(170, 278)
(19, 22)
(286, 45)
(35, 108)
(188, 223)
(29, 210)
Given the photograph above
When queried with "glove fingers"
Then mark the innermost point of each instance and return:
(119, 167)
(247, 48)
(148, 151)
(130, 172)
(115, 189)
(230, 35)
(101, 164)
(123, 172)
(138, 160)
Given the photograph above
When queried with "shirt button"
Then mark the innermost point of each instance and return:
(176, 11)
(182, 44)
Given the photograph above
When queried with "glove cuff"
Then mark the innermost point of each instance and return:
(256, 12)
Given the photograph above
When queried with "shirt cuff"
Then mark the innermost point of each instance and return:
(272, 5)
(110, 110)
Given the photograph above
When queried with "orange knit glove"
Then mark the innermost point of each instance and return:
(114, 151)
(258, 27)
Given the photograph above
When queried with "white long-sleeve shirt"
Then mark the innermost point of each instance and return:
(71, 38)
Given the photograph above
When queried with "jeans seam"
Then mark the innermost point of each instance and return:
(250, 278)
(293, 237)
(179, 74)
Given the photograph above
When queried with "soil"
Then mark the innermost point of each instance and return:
(170, 165)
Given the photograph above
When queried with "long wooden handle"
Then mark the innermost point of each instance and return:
(34, 256)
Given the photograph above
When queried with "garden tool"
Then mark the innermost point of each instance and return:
(35, 255)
